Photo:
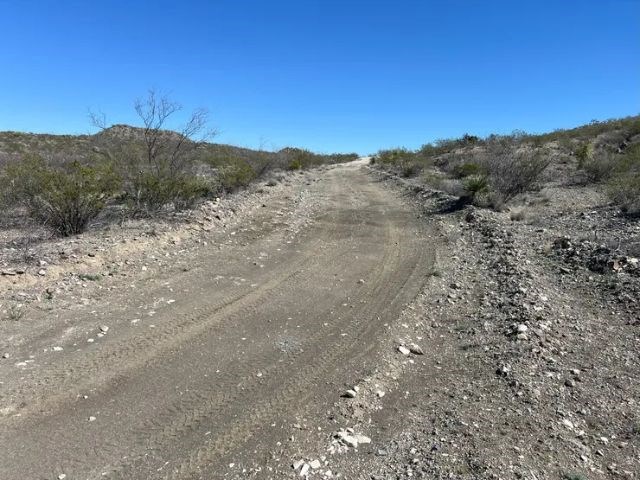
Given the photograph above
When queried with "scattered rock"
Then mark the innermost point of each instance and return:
(350, 394)
(404, 350)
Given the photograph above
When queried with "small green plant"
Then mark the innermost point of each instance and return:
(89, 277)
(295, 164)
(476, 185)
(584, 153)
(15, 313)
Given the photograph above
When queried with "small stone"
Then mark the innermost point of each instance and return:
(92, 418)
(567, 423)
(62, 476)
(42, 272)
(315, 464)
(350, 394)
(404, 350)
(363, 439)
(522, 328)
(297, 464)
(361, 281)
(104, 328)
(416, 349)
(380, 393)
(304, 470)
(57, 349)
(570, 383)
(5, 355)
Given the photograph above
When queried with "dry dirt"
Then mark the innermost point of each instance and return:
(202, 366)
(342, 324)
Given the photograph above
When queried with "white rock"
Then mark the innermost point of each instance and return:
(363, 439)
(315, 464)
(57, 349)
(62, 476)
(42, 272)
(522, 328)
(350, 394)
(297, 464)
(404, 350)
(416, 349)
(92, 418)
(104, 328)
(304, 470)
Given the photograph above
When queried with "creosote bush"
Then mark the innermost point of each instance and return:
(624, 185)
(149, 192)
(65, 198)
(237, 174)
(512, 173)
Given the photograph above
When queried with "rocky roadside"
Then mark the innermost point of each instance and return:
(51, 275)
(519, 360)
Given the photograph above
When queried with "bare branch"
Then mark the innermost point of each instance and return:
(98, 119)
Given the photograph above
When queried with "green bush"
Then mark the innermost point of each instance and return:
(295, 164)
(476, 185)
(149, 192)
(237, 174)
(65, 198)
(584, 153)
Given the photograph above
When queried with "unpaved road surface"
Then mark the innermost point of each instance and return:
(207, 365)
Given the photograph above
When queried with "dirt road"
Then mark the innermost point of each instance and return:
(208, 364)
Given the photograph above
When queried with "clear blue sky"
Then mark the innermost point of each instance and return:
(326, 75)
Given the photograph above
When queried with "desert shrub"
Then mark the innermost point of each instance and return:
(65, 198)
(411, 169)
(394, 156)
(475, 185)
(148, 192)
(624, 185)
(584, 153)
(599, 166)
(295, 164)
(237, 174)
(513, 172)
(468, 169)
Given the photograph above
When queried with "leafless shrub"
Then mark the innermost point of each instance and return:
(599, 166)
(513, 172)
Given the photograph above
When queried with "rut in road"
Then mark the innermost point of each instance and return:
(229, 361)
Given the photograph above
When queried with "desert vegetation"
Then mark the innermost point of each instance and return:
(66, 182)
(493, 171)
